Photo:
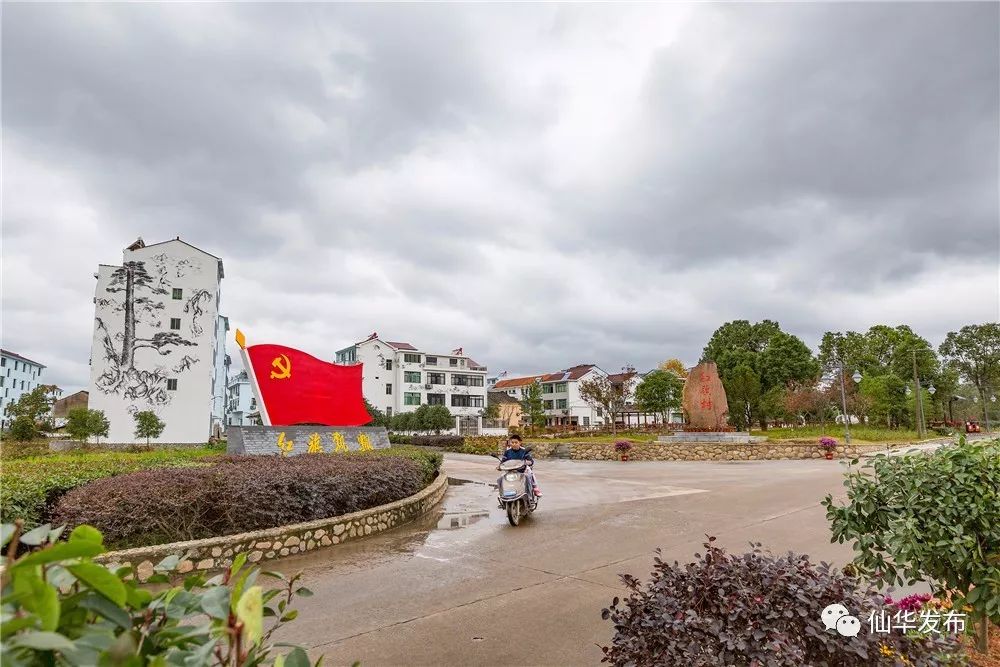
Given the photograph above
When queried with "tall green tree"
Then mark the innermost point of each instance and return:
(659, 392)
(34, 405)
(438, 418)
(82, 424)
(532, 405)
(786, 359)
(974, 350)
(887, 396)
(880, 350)
(757, 361)
(743, 395)
(148, 425)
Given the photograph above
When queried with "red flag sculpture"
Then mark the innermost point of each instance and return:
(297, 388)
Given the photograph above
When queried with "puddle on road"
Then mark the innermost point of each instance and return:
(460, 520)
(467, 512)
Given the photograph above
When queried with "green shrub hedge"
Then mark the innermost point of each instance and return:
(237, 494)
(483, 444)
(429, 461)
(29, 485)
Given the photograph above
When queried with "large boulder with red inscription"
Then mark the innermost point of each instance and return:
(704, 398)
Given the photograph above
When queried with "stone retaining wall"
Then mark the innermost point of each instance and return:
(709, 451)
(218, 552)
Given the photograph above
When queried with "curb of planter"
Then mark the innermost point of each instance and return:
(217, 552)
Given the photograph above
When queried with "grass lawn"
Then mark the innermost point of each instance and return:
(859, 433)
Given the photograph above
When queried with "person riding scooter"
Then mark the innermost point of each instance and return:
(516, 451)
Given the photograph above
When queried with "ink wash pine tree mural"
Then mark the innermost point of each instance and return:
(139, 291)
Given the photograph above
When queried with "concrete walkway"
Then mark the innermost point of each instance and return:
(463, 588)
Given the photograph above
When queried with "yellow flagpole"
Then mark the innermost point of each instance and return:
(242, 342)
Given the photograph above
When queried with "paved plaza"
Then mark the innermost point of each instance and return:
(461, 587)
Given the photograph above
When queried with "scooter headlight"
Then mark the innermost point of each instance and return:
(511, 477)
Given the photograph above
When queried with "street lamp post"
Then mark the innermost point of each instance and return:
(986, 410)
(919, 412)
(932, 390)
(843, 401)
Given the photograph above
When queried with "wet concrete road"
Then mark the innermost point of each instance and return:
(452, 588)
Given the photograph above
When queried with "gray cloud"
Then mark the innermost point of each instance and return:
(540, 184)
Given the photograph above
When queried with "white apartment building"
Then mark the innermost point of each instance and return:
(159, 341)
(398, 377)
(564, 406)
(242, 403)
(18, 376)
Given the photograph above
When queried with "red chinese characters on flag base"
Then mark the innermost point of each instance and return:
(297, 388)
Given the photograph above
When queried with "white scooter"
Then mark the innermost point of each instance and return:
(515, 494)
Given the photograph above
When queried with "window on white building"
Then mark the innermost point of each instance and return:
(561, 404)
(388, 388)
(178, 294)
(435, 378)
(586, 421)
(453, 362)
(547, 389)
(411, 358)
(431, 361)
(411, 376)
(547, 405)
(467, 380)
(171, 385)
(435, 399)
(560, 388)
(411, 398)
(388, 364)
(175, 323)
(465, 401)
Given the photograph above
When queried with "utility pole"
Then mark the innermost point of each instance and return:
(919, 414)
(843, 400)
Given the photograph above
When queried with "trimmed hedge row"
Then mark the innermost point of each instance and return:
(482, 444)
(237, 494)
(28, 486)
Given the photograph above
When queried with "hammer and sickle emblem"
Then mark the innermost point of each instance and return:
(283, 368)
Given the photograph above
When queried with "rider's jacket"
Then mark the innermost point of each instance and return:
(519, 454)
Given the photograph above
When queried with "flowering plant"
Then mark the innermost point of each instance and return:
(828, 443)
(914, 602)
(623, 446)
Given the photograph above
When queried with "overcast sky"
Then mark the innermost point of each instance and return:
(543, 185)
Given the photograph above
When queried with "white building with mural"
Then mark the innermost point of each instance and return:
(18, 376)
(398, 377)
(159, 341)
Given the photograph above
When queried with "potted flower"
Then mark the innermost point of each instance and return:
(829, 445)
(623, 447)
